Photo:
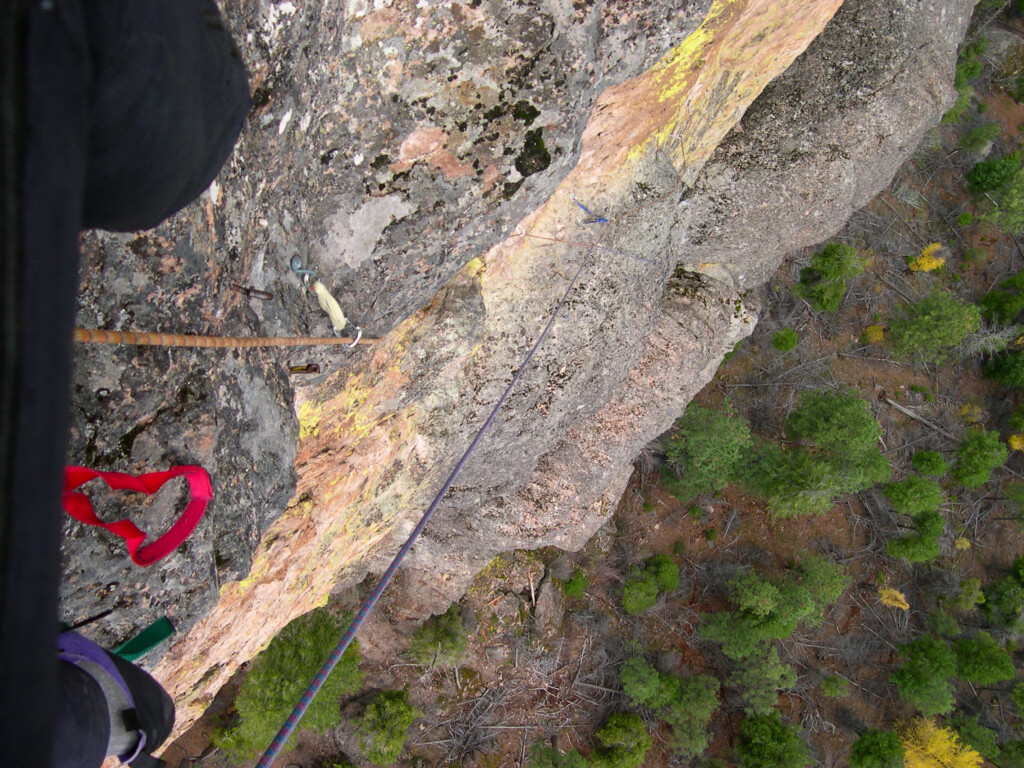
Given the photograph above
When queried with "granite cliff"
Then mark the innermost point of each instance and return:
(424, 160)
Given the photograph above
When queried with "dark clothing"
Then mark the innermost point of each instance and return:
(114, 114)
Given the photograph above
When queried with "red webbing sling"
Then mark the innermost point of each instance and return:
(79, 507)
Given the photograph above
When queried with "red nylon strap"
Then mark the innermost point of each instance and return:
(79, 507)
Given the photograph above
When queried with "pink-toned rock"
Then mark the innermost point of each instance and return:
(422, 143)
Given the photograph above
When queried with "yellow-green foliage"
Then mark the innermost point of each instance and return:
(926, 745)
(383, 726)
(440, 640)
(279, 676)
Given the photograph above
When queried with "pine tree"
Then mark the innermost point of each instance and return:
(928, 328)
(824, 282)
(922, 680)
(836, 453)
(981, 660)
(914, 495)
(705, 446)
(766, 742)
(977, 456)
(877, 749)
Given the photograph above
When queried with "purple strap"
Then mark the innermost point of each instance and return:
(74, 649)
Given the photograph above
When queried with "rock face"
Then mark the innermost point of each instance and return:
(424, 161)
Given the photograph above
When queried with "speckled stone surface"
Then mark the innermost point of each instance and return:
(403, 150)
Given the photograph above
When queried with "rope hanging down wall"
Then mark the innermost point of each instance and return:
(371, 601)
(368, 605)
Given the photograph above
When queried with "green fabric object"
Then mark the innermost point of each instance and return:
(146, 640)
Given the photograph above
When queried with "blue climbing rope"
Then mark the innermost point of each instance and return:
(321, 676)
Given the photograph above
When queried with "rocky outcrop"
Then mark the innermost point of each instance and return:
(422, 160)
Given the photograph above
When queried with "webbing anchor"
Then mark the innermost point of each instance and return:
(327, 302)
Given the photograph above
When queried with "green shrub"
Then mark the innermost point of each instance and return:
(639, 593)
(928, 328)
(877, 749)
(1003, 599)
(993, 173)
(440, 640)
(914, 495)
(622, 742)
(836, 452)
(705, 446)
(1006, 369)
(922, 680)
(981, 660)
(577, 585)
(785, 340)
(824, 282)
(975, 735)
(976, 457)
(1004, 302)
(968, 598)
(922, 546)
(383, 726)
(965, 219)
(665, 572)
(760, 677)
(771, 611)
(766, 742)
(978, 137)
(543, 755)
(968, 67)
(941, 623)
(685, 703)
(833, 686)
(279, 676)
(930, 463)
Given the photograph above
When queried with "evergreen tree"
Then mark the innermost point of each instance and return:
(836, 452)
(1006, 368)
(1003, 599)
(914, 495)
(972, 733)
(877, 749)
(922, 680)
(981, 660)
(622, 742)
(1004, 302)
(705, 446)
(922, 546)
(766, 742)
(824, 282)
(928, 328)
(930, 463)
(279, 675)
(976, 457)
(760, 677)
